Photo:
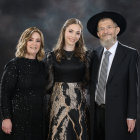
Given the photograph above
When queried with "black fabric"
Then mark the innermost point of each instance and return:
(121, 93)
(22, 97)
(68, 70)
(73, 70)
(99, 122)
(116, 17)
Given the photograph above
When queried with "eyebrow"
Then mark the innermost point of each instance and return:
(73, 30)
(34, 38)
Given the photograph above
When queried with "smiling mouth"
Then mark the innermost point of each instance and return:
(107, 35)
(34, 48)
(72, 40)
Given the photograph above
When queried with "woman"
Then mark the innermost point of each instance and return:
(23, 87)
(69, 68)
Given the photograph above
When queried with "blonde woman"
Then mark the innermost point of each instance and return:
(22, 89)
(69, 70)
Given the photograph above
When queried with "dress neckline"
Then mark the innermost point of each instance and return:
(68, 54)
(30, 60)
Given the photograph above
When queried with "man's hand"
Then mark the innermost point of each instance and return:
(131, 125)
(7, 126)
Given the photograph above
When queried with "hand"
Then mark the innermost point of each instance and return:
(7, 126)
(131, 125)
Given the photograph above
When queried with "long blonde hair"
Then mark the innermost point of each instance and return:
(80, 49)
(21, 49)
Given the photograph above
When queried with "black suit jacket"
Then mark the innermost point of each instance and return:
(121, 92)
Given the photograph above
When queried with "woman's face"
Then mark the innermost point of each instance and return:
(72, 34)
(33, 45)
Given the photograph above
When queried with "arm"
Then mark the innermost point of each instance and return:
(88, 63)
(132, 91)
(50, 72)
(8, 82)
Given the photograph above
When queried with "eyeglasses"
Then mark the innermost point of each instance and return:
(102, 29)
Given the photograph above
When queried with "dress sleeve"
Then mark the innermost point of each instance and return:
(8, 83)
(50, 70)
(87, 69)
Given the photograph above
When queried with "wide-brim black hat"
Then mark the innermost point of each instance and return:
(116, 17)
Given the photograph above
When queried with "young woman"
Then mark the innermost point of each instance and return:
(68, 67)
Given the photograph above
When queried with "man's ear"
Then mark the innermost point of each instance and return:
(117, 30)
(98, 34)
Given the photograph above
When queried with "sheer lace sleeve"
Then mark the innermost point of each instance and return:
(87, 70)
(50, 70)
(8, 84)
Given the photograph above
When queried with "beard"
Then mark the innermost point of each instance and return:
(109, 42)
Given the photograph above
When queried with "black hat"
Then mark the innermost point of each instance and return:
(116, 17)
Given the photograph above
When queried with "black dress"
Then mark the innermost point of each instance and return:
(22, 96)
(68, 107)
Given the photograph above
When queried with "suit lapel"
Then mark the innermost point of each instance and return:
(118, 58)
(96, 63)
(99, 53)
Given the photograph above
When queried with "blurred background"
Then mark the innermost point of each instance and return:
(50, 15)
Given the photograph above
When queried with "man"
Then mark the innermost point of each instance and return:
(114, 81)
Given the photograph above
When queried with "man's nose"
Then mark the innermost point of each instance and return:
(105, 30)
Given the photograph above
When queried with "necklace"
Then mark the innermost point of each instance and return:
(69, 55)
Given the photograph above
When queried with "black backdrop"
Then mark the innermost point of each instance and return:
(49, 16)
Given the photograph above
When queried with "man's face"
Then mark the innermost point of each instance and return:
(107, 32)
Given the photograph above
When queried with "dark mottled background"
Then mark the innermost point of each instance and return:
(49, 16)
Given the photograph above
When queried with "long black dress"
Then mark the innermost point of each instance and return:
(22, 96)
(68, 107)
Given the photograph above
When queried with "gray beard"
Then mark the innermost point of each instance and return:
(108, 43)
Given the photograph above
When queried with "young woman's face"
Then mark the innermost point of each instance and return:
(33, 44)
(72, 34)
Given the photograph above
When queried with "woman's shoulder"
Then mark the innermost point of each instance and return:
(89, 53)
(12, 64)
(49, 55)
(13, 61)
